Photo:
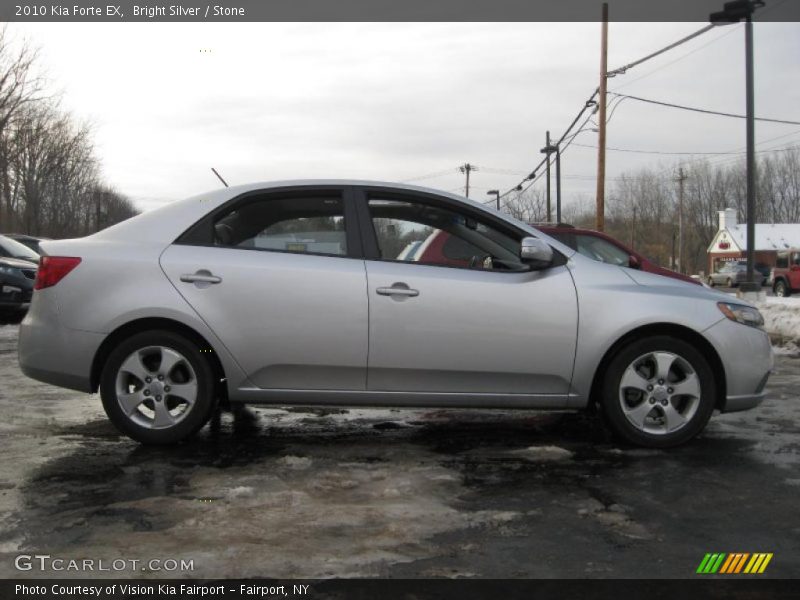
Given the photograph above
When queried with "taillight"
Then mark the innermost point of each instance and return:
(53, 269)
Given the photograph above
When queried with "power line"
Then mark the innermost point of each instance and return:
(680, 58)
(704, 110)
(679, 153)
(431, 175)
(623, 70)
(532, 177)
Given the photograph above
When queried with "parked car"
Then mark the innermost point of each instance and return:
(30, 241)
(193, 311)
(729, 274)
(732, 273)
(13, 249)
(604, 248)
(786, 274)
(16, 285)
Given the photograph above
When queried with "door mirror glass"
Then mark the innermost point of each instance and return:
(535, 253)
(634, 263)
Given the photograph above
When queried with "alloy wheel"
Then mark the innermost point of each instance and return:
(659, 392)
(156, 387)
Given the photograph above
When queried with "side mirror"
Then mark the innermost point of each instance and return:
(535, 253)
(634, 263)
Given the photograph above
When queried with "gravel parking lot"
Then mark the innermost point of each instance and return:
(320, 493)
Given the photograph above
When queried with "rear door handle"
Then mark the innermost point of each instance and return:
(201, 276)
(397, 289)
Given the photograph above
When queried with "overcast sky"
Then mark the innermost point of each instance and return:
(265, 101)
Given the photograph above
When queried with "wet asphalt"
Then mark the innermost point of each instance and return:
(393, 493)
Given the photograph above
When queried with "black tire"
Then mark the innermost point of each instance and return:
(729, 282)
(612, 395)
(191, 420)
(781, 289)
(710, 282)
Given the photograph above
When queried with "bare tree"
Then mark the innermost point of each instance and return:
(18, 86)
(527, 206)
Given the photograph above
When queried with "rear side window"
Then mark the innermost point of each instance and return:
(309, 225)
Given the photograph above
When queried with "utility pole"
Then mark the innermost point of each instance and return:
(558, 184)
(496, 194)
(601, 142)
(734, 12)
(681, 178)
(467, 168)
(546, 150)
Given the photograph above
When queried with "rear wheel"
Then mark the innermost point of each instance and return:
(781, 289)
(658, 392)
(157, 387)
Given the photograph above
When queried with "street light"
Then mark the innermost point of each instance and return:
(734, 12)
(556, 148)
(497, 195)
(548, 150)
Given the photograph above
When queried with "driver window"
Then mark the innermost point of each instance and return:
(424, 234)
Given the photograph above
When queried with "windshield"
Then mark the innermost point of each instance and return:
(13, 249)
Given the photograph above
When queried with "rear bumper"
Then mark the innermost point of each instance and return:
(54, 354)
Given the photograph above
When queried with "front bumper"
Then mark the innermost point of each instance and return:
(747, 359)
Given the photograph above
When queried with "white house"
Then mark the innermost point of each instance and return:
(730, 241)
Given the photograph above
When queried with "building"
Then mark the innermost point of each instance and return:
(730, 242)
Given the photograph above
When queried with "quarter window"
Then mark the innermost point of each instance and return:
(311, 225)
(782, 260)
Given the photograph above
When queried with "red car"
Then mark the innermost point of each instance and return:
(605, 248)
(786, 274)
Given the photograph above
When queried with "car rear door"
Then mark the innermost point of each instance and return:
(483, 328)
(278, 276)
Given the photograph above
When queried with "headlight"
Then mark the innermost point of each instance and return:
(741, 314)
(8, 270)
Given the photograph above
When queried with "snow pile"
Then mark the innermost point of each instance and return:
(782, 321)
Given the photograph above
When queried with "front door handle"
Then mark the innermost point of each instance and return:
(201, 277)
(397, 289)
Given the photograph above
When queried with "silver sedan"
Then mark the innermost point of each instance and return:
(306, 293)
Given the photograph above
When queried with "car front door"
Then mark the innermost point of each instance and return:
(278, 277)
(462, 315)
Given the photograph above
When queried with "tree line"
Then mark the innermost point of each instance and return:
(50, 182)
(642, 206)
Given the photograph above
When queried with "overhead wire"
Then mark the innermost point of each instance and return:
(704, 110)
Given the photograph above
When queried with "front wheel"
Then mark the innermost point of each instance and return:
(157, 387)
(710, 282)
(658, 392)
(781, 289)
(729, 282)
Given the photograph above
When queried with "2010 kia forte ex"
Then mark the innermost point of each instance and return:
(371, 294)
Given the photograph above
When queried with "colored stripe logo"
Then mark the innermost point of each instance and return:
(735, 563)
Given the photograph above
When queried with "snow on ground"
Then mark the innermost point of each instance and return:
(782, 321)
